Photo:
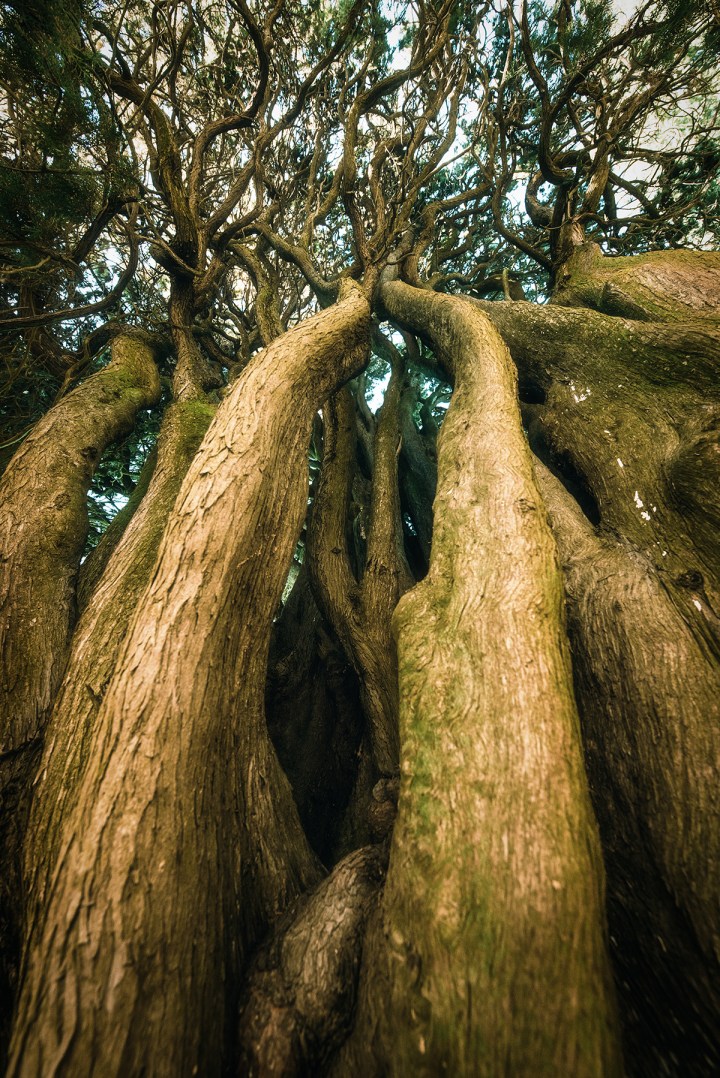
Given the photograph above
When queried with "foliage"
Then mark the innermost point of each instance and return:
(272, 150)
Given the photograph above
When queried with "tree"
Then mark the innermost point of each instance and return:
(362, 742)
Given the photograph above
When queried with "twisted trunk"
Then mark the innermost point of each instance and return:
(183, 842)
(652, 749)
(71, 731)
(631, 409)
(495, 884)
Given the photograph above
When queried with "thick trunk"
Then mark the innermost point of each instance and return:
(99, 634)
(194, 374)
(184, 842)
(488, 953)
(653, 751)
(633, 408)
(43, 527)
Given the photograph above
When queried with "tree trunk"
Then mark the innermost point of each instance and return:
(298, 1002)
(99, 634)
(662, 286)
(488, 953)
(652, 750)
(43, 528)
(184, 842)
(633, 408)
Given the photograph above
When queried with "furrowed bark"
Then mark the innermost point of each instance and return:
(385, 578)
(495, 884)
(43, 518)
(184, 842)
(43, 527)
(635, 408)
(301, 988)
(649, 702)
(98, 636)
(194, 374)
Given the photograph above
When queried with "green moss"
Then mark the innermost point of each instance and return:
(194, 418)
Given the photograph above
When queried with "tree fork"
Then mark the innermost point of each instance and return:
(635, 407)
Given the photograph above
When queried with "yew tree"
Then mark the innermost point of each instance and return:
(360, 538)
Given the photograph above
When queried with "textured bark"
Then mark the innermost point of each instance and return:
(488, 953)
(662, 286)
(635, 408)
(649, 701)
(184, 841)
(43, 527)
(301, 988)
(99, 634)
(43, 522)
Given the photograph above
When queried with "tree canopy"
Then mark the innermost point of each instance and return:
(360, 580)
(229, 156)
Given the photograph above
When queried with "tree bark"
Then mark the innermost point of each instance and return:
(298, 1003)
(662, 286)
(98, 636)
(634, 408)
(653, 750)
(43, 527)
(495, 884)
(184, 842)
